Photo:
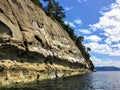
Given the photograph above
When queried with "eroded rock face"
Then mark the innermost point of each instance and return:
(27, 34)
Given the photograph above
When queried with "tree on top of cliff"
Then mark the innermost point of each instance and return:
(82, 48)
(49, 8)
(36, 2)
(70, 31)
(58, 12)
(54, 10)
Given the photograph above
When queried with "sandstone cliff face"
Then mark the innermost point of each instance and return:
(27, 34)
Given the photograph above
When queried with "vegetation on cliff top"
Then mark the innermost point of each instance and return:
(37, 3)
(56, 12)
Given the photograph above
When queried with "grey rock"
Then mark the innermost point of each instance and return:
(27, 27)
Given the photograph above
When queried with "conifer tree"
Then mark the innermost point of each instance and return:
(58, 12)
(54, 10)
(49, 8)
(37, 3)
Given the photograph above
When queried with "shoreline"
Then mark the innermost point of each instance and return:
(15, 72)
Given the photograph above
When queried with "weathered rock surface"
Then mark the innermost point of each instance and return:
(28, 35)
(12, 72)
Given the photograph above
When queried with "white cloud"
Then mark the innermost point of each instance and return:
(103, 49)
(70, 23)
(93, 38)
(68, 8)
(84, 31)
(99, 62)
(116, 46)
(109, 25)
(78, 21)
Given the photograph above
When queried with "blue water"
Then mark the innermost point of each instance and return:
(109, 80)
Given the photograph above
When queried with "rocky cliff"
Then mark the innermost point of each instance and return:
(28, 35)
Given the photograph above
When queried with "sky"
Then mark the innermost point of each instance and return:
(99, 22)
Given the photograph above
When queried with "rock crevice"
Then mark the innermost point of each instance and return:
(31, 36)
(34, 47)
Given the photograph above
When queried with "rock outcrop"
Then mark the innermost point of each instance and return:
(28, 35)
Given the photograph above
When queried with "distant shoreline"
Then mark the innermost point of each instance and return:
(107, 68)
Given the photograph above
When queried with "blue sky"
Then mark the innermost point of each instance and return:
(99, 22)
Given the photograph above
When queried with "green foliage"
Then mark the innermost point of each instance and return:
(49, 8)
(56, 12)
(88, 49)
(36, 2)
(70, 31)
(82, 48)
(78, 40)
